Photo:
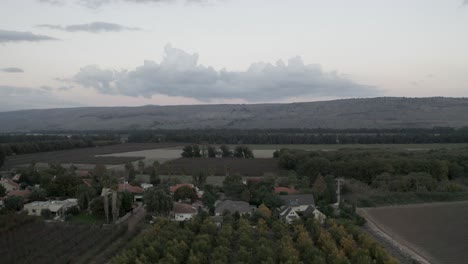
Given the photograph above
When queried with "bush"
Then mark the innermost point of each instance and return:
(46, 214)
(74, 210)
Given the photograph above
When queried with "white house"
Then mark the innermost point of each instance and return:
(184, 211)
(57, 208)
(295, 205)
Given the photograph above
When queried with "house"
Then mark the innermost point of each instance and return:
(57, 208)
(233, 206)
(135, 190)
(296, 205)
(184, 211)
(174, 188)
(21, 193)
(9, 184)
(285, 190)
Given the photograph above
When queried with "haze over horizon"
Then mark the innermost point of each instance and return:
(161, 52)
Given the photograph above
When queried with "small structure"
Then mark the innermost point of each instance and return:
(296, 205)
(146, 186)
(241, 207)
(285, 190)
(57, 208)
(9, 184)
(184, 211)
(135, 190)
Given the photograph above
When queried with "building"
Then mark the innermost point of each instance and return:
(9, 184)
(297, 205)
(184, 211)
(21, 193)
(137, 191)
(57, 208)
(233, 206)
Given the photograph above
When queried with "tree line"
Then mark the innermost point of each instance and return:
(195, 151)
(303, 136)
(23, 144)
(380, 171)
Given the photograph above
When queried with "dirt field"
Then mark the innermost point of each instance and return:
(218, 166)
(86, 155)
(437, 232)
(162, 155)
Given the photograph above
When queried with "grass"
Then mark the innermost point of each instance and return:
(87, 219)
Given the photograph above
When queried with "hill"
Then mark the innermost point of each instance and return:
(383, 112)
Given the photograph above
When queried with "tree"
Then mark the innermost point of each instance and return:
(264, 211)
(225, 151)
(2, 156)
(38, 194)
(46, 214)
(2, 191)
(13, 203)
(130, 171)
(85, 195)
(185, 193)
(126, 201)
(191, 151)
(243, 152)
(154, 177)
(199, 179)
(320, 187)
(99, 171)
(158, 202)
(233, 186)
(211, 152)
(141, 166)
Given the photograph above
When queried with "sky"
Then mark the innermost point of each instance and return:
(70, 53)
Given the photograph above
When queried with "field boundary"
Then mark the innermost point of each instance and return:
(394, 241)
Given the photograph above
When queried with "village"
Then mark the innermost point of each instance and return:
(109, 199)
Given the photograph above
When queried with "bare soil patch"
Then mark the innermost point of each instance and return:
(86, 155)
(436, 231)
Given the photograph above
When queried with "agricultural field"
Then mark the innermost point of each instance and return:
(266, 151)
(40, 242)
(435, 232)
(86, 155)
(221, 167)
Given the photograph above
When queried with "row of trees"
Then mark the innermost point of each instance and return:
(23, 144)
(304, 136)
(195, 151)
(237, 241)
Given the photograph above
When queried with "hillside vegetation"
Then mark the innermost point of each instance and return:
(339, 114)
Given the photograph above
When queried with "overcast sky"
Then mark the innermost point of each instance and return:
(64, 53)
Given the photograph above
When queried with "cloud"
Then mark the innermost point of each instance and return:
(98, 3)
(16, 36)
(18, 98)
(94, 27)
(12, 70)
(179, 74)
(465, 2)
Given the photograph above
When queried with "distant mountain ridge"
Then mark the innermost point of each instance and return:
(381, 112)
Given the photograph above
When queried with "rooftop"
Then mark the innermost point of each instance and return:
(233, 206)
(297, 200)
(182, 208)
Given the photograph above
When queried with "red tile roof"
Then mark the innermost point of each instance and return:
(22, 193)
(174, 188)
(127, 187)
(11, 182)
(286, 190)
(182, 208)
